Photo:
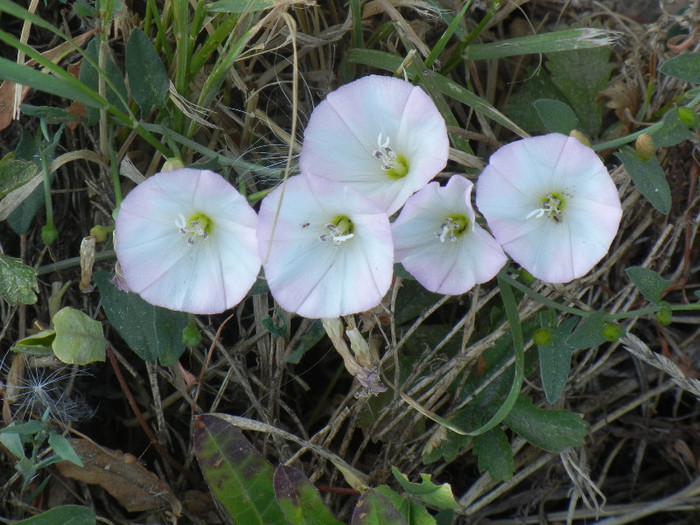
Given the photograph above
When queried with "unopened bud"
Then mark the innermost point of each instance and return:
(99, 232)
(525, 276)
(583, 139)
(49, 234)
(612, 332)
(542, 336)
(645, 147)
(173, 164)
(687, 116)
(664, 316)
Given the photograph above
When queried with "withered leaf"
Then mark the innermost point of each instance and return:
(135, 488)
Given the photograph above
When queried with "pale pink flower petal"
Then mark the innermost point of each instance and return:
(551, 204)
(330, 253)
(364, 130)
(438, 241)
(173, 263)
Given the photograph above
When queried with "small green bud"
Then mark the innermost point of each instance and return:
(664, 316)
(525, 276)
(645, 147)
(173, 164)
(100, 232)
(49, 234)
(191, 336)
(612, 332)
(687, 116)
(542, 336)
(583, 139)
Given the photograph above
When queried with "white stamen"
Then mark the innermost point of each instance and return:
(384, 153)
(448, 230)
(335, 234)
(550, 208)
(193, 230)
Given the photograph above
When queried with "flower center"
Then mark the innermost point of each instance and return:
(340, 229)
(453, 227)
(198, 226)
(552, 206)
(395, 165)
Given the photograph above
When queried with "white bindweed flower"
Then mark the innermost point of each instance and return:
(329, 250)
(551, 204)
(185, 240)
(437, 240)
(382, 135)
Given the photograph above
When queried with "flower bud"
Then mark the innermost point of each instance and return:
(191, 336)
(583, 139)
(687, 116)
(612, 332)
(542, 336)
(645, 147)
(100, 232)
(173, 164)
(525, 276)
(49, 234)
(664, 316)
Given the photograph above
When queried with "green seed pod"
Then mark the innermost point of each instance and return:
(525, 276)
(664, 316)
(687, 116)
(612, 332)
(542, 336)
(191, 336)
(49, 234)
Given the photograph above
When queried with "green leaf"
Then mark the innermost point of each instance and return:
(672, 131)
(551, 430)
(36, 344)
(27, 76)
(90, 77)
(239, 6)
(685, 66)
(649, 178)
(299, 499)
(236, 473)
(555, 360)
(556, 116)
(413, 512)
(153, 333)
(581, 75)
(589, 332)
(12, 441)
(438, 496)
(495, 454)
(649, 283)
(17, 281)
(61, 447)
(148, 80)
(79, 339)
(65, 515)
(520, 107)
(15, 173)
(373, 508)
(313, 334)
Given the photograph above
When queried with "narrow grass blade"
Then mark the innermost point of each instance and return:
(567, 40)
